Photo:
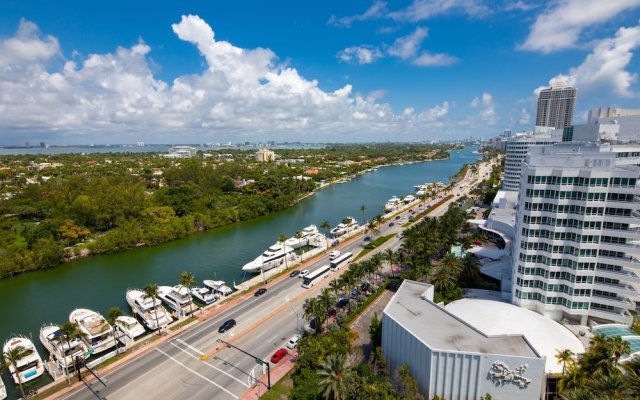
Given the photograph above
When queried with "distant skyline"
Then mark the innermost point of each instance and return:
(331, 71)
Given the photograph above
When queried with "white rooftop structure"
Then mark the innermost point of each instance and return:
(497, 318)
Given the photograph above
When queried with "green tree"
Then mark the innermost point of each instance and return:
(11, 359)
(282, 238)
(375, 331)
(408, 387)
(186, 280)
(363, 210)
(337, 380)
(325, 225)
(112, 316)
(565, 356)
(151, 292)
(69, 331)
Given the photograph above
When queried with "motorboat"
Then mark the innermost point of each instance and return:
(3, 390)
(272, 257)
(347, 225)
(304, 238)
(129, 326)
(63, 351)
(29, 366)
(408, 199)
(218, 287)
(178, 298)
(148, 309)
(97, 333)
(392, 204)
(203, 295)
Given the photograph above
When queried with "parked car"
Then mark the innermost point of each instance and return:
(391, 224)
(334, 243)
(342, 302)
(354, 293)
(397, 217)
(367, 238)
(260, 292)
(293, 342)
(295, 272)
(279, 355)
(303, 273)
(227, 325)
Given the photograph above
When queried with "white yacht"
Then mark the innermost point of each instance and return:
(30, 366)
(408, 199)
(3, 390)
(62, 351)
(178, 298)
(271, 258)
(392, 204)
(218, 287)
(203, 295)
(98, 334)
(148, 309)
(129, 326)
(306, 236)
(347, 225)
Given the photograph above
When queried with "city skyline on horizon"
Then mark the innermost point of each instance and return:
(370, 71)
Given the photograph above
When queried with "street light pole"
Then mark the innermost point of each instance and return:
(258, 360)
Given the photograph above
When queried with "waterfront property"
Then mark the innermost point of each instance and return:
(453, 359)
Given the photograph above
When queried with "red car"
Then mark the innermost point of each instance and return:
(278, 355)
(477, 242)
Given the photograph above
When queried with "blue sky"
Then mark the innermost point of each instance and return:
(210, 71)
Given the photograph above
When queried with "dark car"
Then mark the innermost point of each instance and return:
(397, 217)
(367, 238)
(295, 272)
(279, 355)
(260, 292)
(391, 224)
(342, 303)
(227, 325)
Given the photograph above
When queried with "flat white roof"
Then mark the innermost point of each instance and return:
(443, 331)
(498, 318)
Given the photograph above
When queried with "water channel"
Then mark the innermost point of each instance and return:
(98, 283)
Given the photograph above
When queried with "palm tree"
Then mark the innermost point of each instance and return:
(379, 220)
(335, 286)
(390, 257)
(470, 270)
(112, 316)
(337, 380)
(186, 280)
(373, 228)
(363, 210)
(283, 238)
(68, 332)
(151, 292)
(11, 359)
(443, 279)
(325, 225)
(326, 299)
(565, 357)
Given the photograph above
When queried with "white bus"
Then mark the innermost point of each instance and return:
(317, 275)
(337, 263)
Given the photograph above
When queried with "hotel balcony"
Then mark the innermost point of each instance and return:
(620, 316)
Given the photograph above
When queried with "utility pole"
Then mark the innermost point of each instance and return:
(259, 361)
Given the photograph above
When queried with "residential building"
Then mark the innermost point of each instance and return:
(264, 155)
(555, 107)
(517, 148)
(576, 252)
(610, 112)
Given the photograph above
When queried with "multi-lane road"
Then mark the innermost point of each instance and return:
(195, 365)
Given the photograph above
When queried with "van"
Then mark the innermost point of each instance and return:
(334, 254)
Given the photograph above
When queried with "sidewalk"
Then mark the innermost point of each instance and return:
(277, 373)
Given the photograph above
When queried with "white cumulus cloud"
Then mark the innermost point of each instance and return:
(560, 25)
(606, 65)
(360, 54)
(241, 91)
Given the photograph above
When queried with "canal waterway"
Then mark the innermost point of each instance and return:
(98, 283)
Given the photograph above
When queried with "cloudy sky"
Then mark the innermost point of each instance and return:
(361, 70)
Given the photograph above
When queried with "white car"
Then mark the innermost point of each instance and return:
(303, 273)
(293, 342)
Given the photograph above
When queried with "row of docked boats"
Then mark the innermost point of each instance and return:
(395, 202)
(90, 333)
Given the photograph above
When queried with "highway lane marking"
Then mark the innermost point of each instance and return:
(208, 364)
(198, 374)
(189, 346)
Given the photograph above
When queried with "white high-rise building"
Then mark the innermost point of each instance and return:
(517, 148)
(576, 253)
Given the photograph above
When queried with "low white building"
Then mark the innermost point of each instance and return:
(451, 358)
(264, 155)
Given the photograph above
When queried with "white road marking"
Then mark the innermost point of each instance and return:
(209, 365)
(196, 373)
(189, 346)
